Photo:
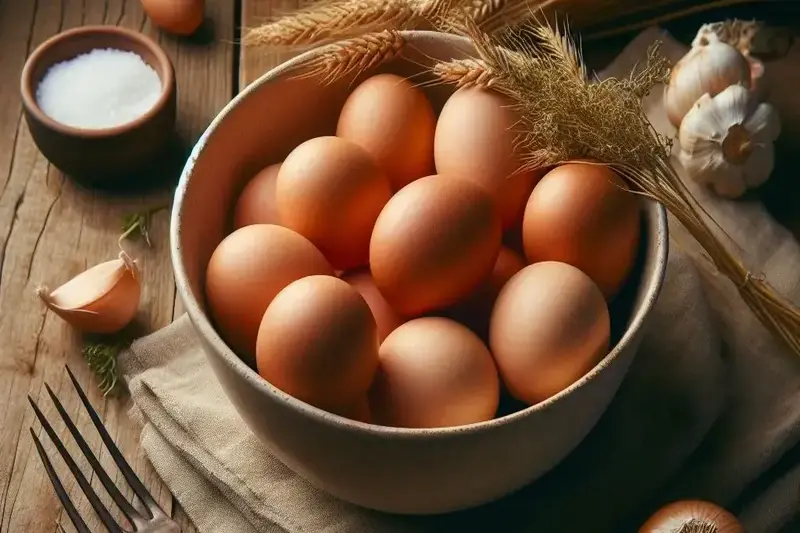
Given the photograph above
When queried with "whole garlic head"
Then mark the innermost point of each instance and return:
(726, 141)
(708, 68)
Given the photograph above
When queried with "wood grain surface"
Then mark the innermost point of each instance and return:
(50, 230)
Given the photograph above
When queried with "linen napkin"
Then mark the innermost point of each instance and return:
(710, 408)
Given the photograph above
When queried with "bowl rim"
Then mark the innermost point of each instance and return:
(28, 91)
(204, 327)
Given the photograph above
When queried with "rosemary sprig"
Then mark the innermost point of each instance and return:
(139, 223)
(102, 361)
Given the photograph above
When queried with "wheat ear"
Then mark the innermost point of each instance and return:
(477, 11)
(352, 57)
(464, 73)
(329, 21)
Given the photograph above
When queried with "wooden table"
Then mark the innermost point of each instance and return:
(50, 230)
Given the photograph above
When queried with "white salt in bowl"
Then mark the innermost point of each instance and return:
(412, 471)
(99, 156)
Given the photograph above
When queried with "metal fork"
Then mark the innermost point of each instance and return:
(152, 520)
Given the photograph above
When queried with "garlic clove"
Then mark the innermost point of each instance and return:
(706, 169)
(103, 299)
(699, 129)
(731, 183)
(759, 165)
(704, 69)
(763, 123)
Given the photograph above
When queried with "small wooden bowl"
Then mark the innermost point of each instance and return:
(100, 157)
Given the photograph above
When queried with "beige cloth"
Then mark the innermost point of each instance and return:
(710, 409)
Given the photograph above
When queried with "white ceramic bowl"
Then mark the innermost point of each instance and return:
(410, 471)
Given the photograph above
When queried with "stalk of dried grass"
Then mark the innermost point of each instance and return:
(564, 116)
(333, 20)
(351, 57)
(476, 11)
(464, 73)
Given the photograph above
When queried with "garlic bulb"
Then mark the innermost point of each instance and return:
(103, 299)
(726, 141)
(704, 69)
(740, 34)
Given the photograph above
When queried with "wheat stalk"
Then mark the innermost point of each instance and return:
(464, 73)
(477, 11)
(564, 117)
(352, 56)
(330, 21)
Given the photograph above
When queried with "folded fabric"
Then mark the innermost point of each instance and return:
(711, 403)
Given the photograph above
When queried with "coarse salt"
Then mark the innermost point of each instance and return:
(102, 88)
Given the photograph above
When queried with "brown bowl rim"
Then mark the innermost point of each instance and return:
(203, 326)
(165, 68)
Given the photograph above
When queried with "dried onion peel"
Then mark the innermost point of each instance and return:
(103, 299)
(692, 516)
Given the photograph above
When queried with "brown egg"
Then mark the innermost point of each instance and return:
(476, 310)
(579, 214)
(181, 17)
(318, 342)
(256, 203)
(549, 326)
(387, 318)
(434, 373)
(394, 121)
(475, 139)
(330, 190)
(247, 269)
(435, 241)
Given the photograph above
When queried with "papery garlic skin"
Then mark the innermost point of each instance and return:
(737, 33)
(103, 299)
(726, 141)
(704, 69)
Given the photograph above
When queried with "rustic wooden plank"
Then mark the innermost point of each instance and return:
(253, 62)
(50, 230)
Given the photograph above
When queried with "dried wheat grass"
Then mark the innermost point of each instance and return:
(351, 57)
(565, 116)
(464, 73)
(329, 21)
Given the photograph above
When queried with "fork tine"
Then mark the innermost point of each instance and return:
(91, 495)
(125, 506)
(69, 507)
(130, 476)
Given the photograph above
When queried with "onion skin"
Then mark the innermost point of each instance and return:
(692, 516)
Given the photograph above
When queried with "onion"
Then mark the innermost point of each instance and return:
(692, 516)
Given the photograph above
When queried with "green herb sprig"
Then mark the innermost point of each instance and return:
(139, 224)
(102, 361)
